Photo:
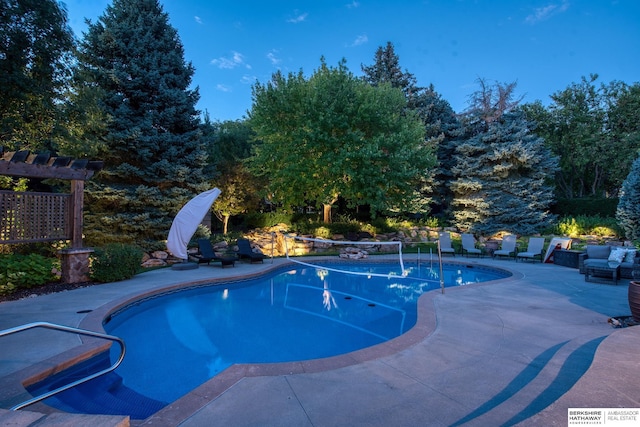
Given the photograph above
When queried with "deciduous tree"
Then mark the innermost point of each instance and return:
(335, 135)
(36, 46)
(436, 114)
(230, 146)
(590, 128)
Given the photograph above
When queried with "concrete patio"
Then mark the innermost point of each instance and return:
(516, 351)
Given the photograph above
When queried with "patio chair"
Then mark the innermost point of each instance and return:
(534, 249)
(207, 254)
(246, 251)
(445, 244)
(508, 247)
(469, 245)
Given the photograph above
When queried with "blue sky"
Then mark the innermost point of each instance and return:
(544, 45)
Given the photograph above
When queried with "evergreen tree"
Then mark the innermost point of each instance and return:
(36, 46)
(502, 170)
(628, 213)
(386, 69)
(154, 154)
(441, 124)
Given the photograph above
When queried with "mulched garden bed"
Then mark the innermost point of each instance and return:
(49, 288)
(623, 321)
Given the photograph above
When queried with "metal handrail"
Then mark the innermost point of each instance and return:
(75, 331)
(441, 268)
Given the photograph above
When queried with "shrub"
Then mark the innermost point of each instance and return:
(115, 262)
(262, 220)
(24, 271)
(587, 225)
(323, 232)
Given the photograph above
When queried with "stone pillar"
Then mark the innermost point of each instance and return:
(75, 264)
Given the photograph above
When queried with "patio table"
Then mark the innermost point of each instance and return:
(606, 272)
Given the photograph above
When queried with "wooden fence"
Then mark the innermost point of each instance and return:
(34, 217)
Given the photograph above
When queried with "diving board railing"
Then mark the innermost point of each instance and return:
(77, 331)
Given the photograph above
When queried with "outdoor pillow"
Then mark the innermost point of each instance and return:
(630, 256)
(617, 255)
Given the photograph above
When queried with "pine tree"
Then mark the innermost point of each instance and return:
(154, 155)
(503, 178)
(628, 212)
(386, 69)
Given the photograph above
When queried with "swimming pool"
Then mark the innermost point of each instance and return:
(178, 340)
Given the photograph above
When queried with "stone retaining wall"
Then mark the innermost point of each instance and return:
(271, 242)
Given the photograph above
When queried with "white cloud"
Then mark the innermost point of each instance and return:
(197, 19)
(299, 17)
(227, 63)
(273, 58)
(543, 13)
(248, 80)
(223, 88)
(353, 4)
(360, 40)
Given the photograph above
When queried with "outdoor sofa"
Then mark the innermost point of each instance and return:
(599, 256)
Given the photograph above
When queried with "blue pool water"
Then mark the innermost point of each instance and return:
(179, 340)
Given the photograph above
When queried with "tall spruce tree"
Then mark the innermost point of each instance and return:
(502, 169)
(628, 212)
(154, 155)
(386, 69)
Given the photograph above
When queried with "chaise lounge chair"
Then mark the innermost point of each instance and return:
(246, 251)
(445, 244)
(508, 247)
(469, 245)
(534, 249)
(207, 254)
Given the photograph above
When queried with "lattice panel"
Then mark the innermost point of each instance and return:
(34, 217)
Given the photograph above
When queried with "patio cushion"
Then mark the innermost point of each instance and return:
(596, 262)
(617, 255)
(598, 251)
(630, 256)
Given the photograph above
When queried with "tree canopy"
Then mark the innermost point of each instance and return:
(229, 147)
(333, 135)
(36, 46)
(590, 128)
(436, 114)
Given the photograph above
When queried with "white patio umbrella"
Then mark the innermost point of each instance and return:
(186, 222)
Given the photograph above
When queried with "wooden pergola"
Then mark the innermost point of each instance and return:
(39, 217)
